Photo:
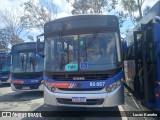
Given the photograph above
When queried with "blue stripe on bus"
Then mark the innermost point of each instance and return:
(151, 105)
(91, 83)
(4, 76)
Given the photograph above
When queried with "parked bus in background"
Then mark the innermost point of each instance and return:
(26, 67)
(4, 67)
(142, 59)
(83, 64)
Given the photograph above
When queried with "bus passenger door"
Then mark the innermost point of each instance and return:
(149, 64)
(138, 78)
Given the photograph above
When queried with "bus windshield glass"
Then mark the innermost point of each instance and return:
(4, 63)
(26, 62)
(84, 52)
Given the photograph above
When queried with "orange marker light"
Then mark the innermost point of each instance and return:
(157, 95)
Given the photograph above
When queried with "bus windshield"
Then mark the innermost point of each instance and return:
(84, 52)
(26, 62)
(4, 63)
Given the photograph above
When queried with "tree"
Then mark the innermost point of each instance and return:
(14, 28)
(132, 6)
(91, 6)
(36, 15)
(30, 37)
(139, 4)
(3, 41)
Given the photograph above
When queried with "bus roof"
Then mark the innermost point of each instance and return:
(1, 52)
(26, 46)
(80, 22)
(24, 43)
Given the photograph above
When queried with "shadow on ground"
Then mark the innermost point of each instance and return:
(2, 85)
(21, 96)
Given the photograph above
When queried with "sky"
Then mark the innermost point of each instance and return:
(63, 10)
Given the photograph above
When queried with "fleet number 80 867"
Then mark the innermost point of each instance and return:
(97, 83)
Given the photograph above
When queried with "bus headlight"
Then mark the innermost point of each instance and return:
(49, 87)
(113, 86)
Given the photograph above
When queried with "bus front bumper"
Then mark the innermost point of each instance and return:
(4, 80)
(101, 99)
(40, 88)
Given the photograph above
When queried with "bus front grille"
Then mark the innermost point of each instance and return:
(20, 87)
(88, 102)
(80, 76)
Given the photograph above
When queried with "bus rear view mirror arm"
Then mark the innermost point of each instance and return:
(38, 43)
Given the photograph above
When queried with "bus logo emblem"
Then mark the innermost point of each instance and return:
(78, 78)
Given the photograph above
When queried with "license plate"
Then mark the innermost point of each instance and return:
(25, 88)
(78, 99)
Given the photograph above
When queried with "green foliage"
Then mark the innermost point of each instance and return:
(3, 41)
(30, 37)
(36, 15)
(91, 6)
(132, 6)
(129, 5)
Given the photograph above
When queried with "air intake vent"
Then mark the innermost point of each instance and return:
(89, 101)
(79, 77)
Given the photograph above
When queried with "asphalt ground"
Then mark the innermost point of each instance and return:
(33, 101)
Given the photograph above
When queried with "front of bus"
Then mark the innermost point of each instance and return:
(26, 68)
(83, 67)
(4, 67)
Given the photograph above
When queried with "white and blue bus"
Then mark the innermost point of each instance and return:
(26, 67)
(142, 59)
(4, 67)
(82, 61)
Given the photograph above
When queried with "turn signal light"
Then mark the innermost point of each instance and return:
(157, 95)
(51, 88)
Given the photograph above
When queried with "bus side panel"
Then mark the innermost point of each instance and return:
(157, 48)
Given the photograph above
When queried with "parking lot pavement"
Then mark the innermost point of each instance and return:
(132, 104)
(33, 101)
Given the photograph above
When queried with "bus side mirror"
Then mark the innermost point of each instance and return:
(39, 47)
